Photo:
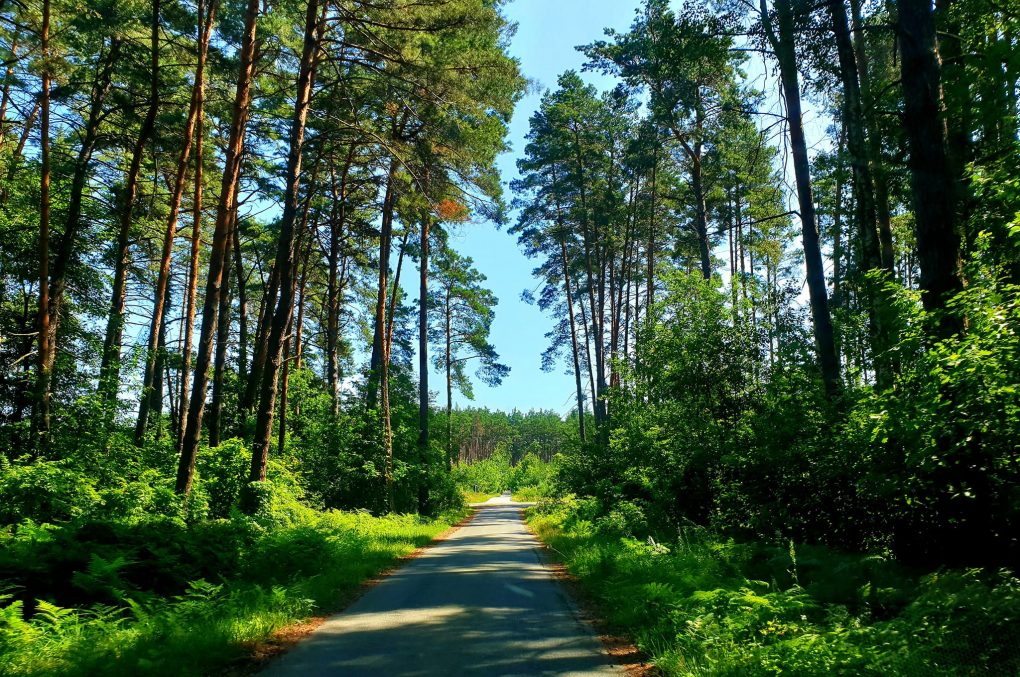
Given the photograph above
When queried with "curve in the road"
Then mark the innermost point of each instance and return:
(480, 602)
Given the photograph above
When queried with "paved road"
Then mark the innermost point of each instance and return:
(478, 603)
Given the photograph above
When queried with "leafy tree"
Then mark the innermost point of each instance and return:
(462, 311)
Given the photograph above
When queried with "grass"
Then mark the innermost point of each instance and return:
(702, 605)
(271, 577)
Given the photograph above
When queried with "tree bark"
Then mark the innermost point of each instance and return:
(596, 309)
(224, 209)
(379, 331)
(822, 320)
(162, 280)
(931, 178)
(288, 357)
(880, 175)
(41, 419)
(856, 138)
(242, 310)
(448, 319)
(285, 258)
(192, 287)
(6, 97)
(109, 371)
(864, 192)
(79, 178)
(215, 419)
(573, 338)
(423, 363)
(334, 285)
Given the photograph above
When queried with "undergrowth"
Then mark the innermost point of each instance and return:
(157, 596)
(702, 605)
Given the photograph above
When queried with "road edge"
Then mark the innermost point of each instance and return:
(619, 648)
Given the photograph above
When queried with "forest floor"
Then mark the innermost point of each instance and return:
(482, 602)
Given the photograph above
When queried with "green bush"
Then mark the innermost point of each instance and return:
(704, 605)
(46, 491)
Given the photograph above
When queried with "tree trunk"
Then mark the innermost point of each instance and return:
(5, 98)
(281, 443)
(215, 422)
(336, 224)
(41, 419)
(242, 310)
(379, 331)
(300, 329)
(162, 280)
(880, 175)
(109, 371)
(79, 179)
(158, 383)
(258, 362)
(701, 221)
(931, 178)
(596, 309)
(423, 364)
(192, 288)
(824, 339)
(573, 338)
(856, 141)
(395, 296)
(224, 210)
(448, 318)
(864, 192)
(285, 259)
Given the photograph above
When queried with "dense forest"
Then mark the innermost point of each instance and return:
(780, 255)
(787, 347)
(835, 363)
(207, 213)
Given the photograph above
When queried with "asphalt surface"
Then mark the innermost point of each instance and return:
(478, 603)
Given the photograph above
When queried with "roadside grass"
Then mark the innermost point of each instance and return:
(702, 605)
(258, 578)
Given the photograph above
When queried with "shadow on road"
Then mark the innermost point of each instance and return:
(478, 603)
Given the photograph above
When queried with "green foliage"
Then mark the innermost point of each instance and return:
(45, 491)
(137, 595)
(939, 450)
(530, 477)
(704, 605)
(925, 469)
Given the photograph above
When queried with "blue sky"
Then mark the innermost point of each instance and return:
(547, 33)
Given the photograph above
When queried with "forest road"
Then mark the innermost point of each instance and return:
(480, 602)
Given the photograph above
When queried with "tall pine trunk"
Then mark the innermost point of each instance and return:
(932, 181)
(215, 418)
(285, 253)
(423, 362)
(109, 371)
(379, 329)
(783, 46)
(79, 179)
(224, 210)
(41, 419)
(573, 339)
(192, 287)
(180, 181)
(864, 192)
